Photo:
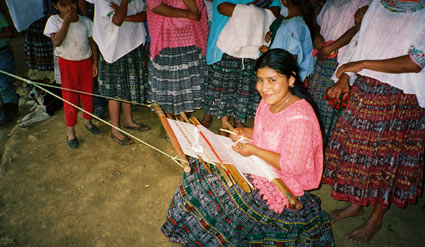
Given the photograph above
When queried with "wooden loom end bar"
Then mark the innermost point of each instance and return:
(172, 137)
(287, 193)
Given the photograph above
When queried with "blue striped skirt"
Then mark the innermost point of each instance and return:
(231, 89)
(177, 77)
(206, 212)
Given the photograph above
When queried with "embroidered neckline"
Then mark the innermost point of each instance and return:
(403, 6)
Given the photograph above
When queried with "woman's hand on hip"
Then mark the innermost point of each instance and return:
(341, 87)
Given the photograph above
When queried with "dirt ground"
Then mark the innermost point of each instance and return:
(103, 194)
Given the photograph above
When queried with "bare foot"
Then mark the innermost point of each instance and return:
(132, 124)
(365, 232)
(349, 211)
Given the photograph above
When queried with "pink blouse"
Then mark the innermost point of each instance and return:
(295, 134)
(169, 32)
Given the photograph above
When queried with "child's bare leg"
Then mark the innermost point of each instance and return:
(373, 224)
(88, 123)
(349, 211)
(70, 132)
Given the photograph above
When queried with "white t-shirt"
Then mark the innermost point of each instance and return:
(115, 41)
(75, 46)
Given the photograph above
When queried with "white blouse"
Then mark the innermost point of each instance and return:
(336, 17)
(385, 34)
(116, 41)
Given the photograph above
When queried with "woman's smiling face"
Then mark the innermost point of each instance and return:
(273, 87)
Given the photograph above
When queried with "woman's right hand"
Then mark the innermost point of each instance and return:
(239, 132)
(69, 16)
(323, 53)
(341, 87)
(319, 42)
(193, 16)
(358, 17)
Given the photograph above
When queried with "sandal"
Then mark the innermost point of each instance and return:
(207, 121)
(142, 127)
(72, 143)
(124, 141)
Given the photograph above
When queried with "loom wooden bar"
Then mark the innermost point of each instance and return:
(172, 137)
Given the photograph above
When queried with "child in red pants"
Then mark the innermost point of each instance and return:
(72, 36)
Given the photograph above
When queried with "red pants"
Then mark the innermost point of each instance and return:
(77, 75)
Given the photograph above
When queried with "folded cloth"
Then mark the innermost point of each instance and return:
(244, 33)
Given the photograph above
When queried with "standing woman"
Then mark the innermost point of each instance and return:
(177, 68)
(375, 155)
(205, 211)
(120, 34)
(335, 28)
(231, 81)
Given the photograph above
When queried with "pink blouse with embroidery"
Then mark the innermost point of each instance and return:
(295, 134)
(169, 32)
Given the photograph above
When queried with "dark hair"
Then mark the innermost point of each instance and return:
(285, 64)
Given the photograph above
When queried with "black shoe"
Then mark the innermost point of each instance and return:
(73, 143)
(99, 112)
(93, 129)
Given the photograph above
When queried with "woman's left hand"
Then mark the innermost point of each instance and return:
(244, 149)
(323, 53)
(354, 67)
(263, 49)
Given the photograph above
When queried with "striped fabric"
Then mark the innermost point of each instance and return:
(231, 88)
(38, 48)
(376, 154)
(176, 78)
(206, 212)
(318, 83)
(124, 79)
